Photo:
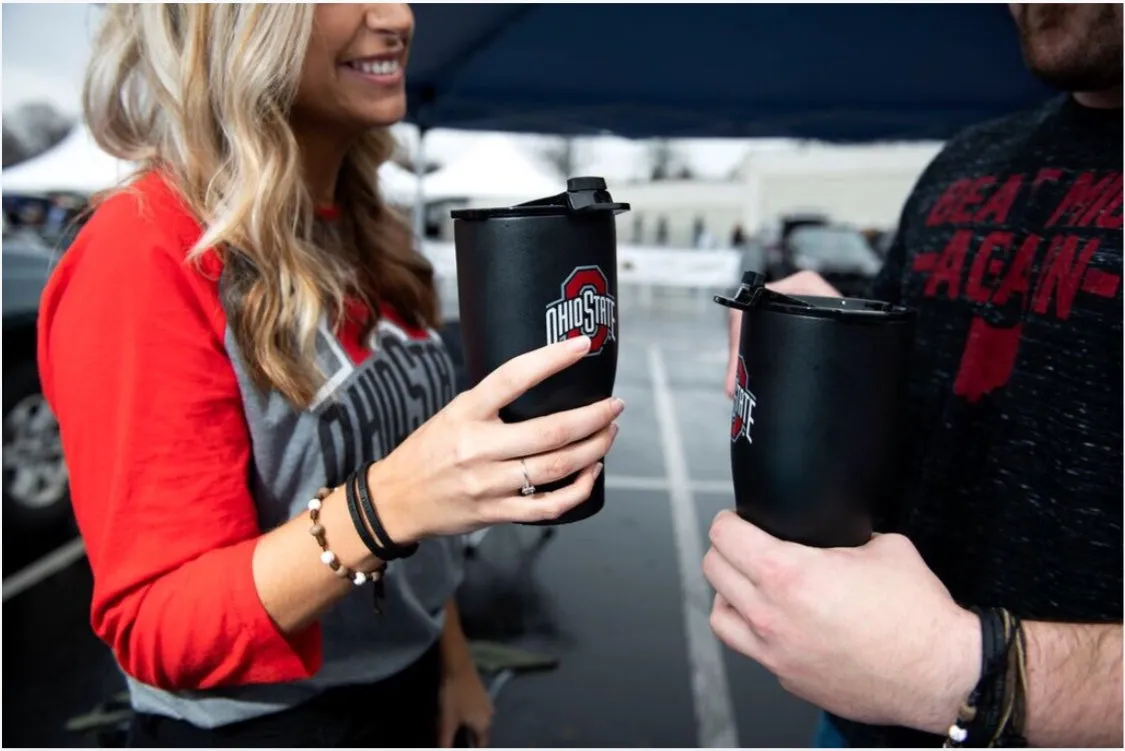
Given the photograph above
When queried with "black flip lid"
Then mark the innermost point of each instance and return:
(753, 294)
(583, 195)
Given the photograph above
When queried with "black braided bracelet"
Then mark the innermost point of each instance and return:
(389, 549)
(985, 715)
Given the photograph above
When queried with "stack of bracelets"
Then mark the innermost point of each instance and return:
(366, 521)
(993, 715)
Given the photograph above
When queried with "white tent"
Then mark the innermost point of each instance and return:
(397, 185)
(75, 165)
(496, 169)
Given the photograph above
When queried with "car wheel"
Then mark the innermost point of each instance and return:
(36, 484)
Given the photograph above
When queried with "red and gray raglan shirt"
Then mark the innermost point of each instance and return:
(178, 463)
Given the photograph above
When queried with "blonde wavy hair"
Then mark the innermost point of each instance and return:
(202, 93)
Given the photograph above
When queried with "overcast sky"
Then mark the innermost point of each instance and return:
(45, 52)
(46, 46)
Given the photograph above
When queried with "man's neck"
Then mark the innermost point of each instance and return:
(1106, 99)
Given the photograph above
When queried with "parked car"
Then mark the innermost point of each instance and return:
(840, 254)
(36, 486)
(776, 240)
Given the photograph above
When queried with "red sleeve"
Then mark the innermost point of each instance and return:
(133, 363)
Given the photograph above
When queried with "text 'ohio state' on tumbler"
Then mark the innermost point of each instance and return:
(817, 420)
(538, 273)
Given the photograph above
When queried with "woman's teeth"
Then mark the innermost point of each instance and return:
(375, 67)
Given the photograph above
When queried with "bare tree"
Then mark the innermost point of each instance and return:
(14, 151)
(665, 162)
(562, 154)
(33, 129)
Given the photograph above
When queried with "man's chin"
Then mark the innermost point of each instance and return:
(1075, 80)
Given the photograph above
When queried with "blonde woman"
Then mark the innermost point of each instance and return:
(230, 342)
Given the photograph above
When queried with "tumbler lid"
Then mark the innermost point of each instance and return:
(584, 195)
(752, 294)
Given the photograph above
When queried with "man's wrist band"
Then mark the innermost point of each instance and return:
(993, 713)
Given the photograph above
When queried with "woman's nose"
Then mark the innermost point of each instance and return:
(392, 19)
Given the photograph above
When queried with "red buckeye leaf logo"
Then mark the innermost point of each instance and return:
(585, 308)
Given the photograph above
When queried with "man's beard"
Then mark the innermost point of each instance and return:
(1090, 60)
(1087, 74)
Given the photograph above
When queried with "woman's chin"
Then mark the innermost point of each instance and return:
(384, 114)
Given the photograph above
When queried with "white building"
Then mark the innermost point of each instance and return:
(863, 186)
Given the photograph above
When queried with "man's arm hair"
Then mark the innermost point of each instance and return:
(1073, 684)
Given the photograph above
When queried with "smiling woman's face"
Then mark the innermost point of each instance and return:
(353, 76)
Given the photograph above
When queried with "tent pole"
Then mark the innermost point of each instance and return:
(419, 214)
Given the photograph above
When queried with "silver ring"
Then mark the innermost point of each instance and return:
(528, 488)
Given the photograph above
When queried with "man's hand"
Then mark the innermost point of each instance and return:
(866, 633)
(802, 283)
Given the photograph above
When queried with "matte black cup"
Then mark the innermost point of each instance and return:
(538, 273)
(817, 420)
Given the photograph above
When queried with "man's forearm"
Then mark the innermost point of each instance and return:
(1073, 684)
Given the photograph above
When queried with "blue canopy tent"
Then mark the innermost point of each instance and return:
(835, 72)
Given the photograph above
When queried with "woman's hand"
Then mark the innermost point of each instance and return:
(464, 702)
(802, 283)
(462, 469)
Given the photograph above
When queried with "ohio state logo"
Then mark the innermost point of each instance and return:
(585, 308)
(742, 408)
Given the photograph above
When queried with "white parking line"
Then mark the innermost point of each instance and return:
(714, 717)
(44, 568)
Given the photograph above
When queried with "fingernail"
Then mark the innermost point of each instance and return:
(598, 470)
(619, 405)
(613, 430)
(579, 343)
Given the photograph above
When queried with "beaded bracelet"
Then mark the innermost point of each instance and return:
(359, 578)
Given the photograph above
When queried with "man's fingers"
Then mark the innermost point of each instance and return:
(732, 585)
(507, 383)
(757, 555)
(734, 333)
(733, 631)
(805, 283)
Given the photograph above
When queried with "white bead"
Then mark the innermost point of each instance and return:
(314, 504)
(958, 734)
(360, 578)
(328, 557)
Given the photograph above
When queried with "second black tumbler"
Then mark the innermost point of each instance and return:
(817, 430)
(538, 273)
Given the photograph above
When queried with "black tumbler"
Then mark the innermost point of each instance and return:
(817, 420)
(535, 274)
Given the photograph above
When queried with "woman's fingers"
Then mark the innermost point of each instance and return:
(507, 383)
(542, 506)
(543, 434)
(554, 465)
